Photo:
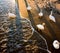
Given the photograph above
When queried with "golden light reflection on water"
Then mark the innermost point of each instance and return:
(22, 8)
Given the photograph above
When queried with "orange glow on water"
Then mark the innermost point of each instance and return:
(22, 8)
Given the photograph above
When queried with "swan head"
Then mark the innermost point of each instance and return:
(43, 24)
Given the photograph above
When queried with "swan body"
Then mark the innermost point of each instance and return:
(41, 14)
(11, 15)
(41, 27)
(52, 18)
(56, 44)
(29, 7)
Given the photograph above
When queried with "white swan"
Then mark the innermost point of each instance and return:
(29, 7)
(51, 17)
(41, 13)
(56, 44)
(41, 26)
(11, 15)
